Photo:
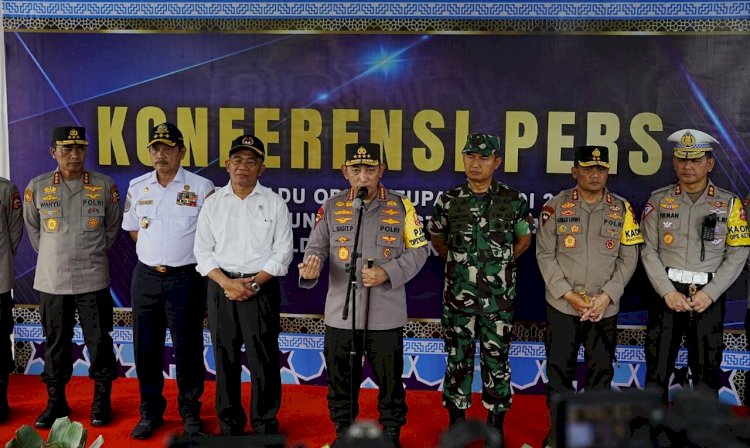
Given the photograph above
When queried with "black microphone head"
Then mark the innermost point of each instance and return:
(362, 192)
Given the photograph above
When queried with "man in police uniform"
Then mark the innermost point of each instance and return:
(479, 228)
(696, 239)
(392, 236)
(161, 214)
(11, 227)
(587, 250)
(72, 217)
(243, 244)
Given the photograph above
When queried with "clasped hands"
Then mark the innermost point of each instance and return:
(679, 302)
(593, 310)
(238, 289)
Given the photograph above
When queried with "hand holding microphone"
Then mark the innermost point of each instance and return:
(358, 202)
(373, 275)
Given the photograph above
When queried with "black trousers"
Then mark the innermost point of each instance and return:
(565, 333)
(6, 329)
(58, 319)
(256, 323)
(704, 340)
(385, 352)
(176, 300)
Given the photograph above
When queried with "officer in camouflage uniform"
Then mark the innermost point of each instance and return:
(587, 250)
(73, 217)
(696, 237)
(11, 227)
(479, 228)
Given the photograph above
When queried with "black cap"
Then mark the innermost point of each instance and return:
(362, 154)
(166, 133)
(250, 142)
(69, 135)
(592, 155)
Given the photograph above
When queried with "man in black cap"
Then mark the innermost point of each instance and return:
(161, 214)
(587, 250)
(392, 236)
(243, 244)
(11, 227)
(72, 217)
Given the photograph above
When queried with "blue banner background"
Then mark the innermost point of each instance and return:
(684, 81)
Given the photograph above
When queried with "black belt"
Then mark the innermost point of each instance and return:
(238, 274)
(167, 270)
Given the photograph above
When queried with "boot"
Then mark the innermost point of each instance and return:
(4, 408)
(57, 406)
(456, 415)
(101, 408)
(496, 420)
(393, 434)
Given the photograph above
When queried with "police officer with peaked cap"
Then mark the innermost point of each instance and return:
(587, 250)
(696, 239)
(72, 216)
(161, 214)
(11, 227)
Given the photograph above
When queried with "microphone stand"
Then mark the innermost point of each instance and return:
(370, 262)
(351, 297)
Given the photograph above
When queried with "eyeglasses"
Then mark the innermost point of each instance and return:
(163, 148)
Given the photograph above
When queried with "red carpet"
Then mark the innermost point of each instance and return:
(304, 415)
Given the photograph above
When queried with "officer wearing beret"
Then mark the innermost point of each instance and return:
(72, 216)
(161, 214)
(696, 239)
(587, 250)
(392, 235)
(11, 227)
(243, 244)
(479, 228)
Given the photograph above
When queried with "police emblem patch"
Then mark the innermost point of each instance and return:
(93, 223)
(610, 244)
(387, 252)
(562, 229)
(343, 253)
(569, 241)
(668, 238)
(52, 224)
(575, 228)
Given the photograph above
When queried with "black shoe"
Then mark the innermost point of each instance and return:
(192, 424)
(393, 434)
(54, 410)
(146, 427)
(101, 408)
(230, 430)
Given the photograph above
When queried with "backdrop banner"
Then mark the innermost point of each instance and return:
(308, 95)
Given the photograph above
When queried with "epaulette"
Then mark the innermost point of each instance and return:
(139, 179)
(729, 193)
(396, 193)
(663, 189)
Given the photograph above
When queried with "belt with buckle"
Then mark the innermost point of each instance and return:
(163, 269)
(238, 274)
(689, 277)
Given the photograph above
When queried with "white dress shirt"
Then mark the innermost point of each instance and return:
(165, 217)
(244, 235)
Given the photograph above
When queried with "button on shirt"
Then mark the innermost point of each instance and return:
(165, 217)
(244, 235)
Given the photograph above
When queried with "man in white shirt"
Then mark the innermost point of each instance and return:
(243, 244)
(161, 214)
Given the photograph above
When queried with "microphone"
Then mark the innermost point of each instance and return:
(361, 195)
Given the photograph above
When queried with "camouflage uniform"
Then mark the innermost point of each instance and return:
(480, 280)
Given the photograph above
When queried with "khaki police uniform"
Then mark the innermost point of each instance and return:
(392, 234)
(671, 226)
(72, 225)
(591, 248)
(11, 227)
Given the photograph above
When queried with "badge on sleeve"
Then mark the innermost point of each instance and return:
(28, 195)
(114, 194)
(15, 201)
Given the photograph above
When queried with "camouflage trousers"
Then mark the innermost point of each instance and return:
(460, 334)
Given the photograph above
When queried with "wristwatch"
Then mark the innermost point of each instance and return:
(255, 286)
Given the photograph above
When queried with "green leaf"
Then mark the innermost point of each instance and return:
(98, 443)
(26, 437)
(67, 434)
